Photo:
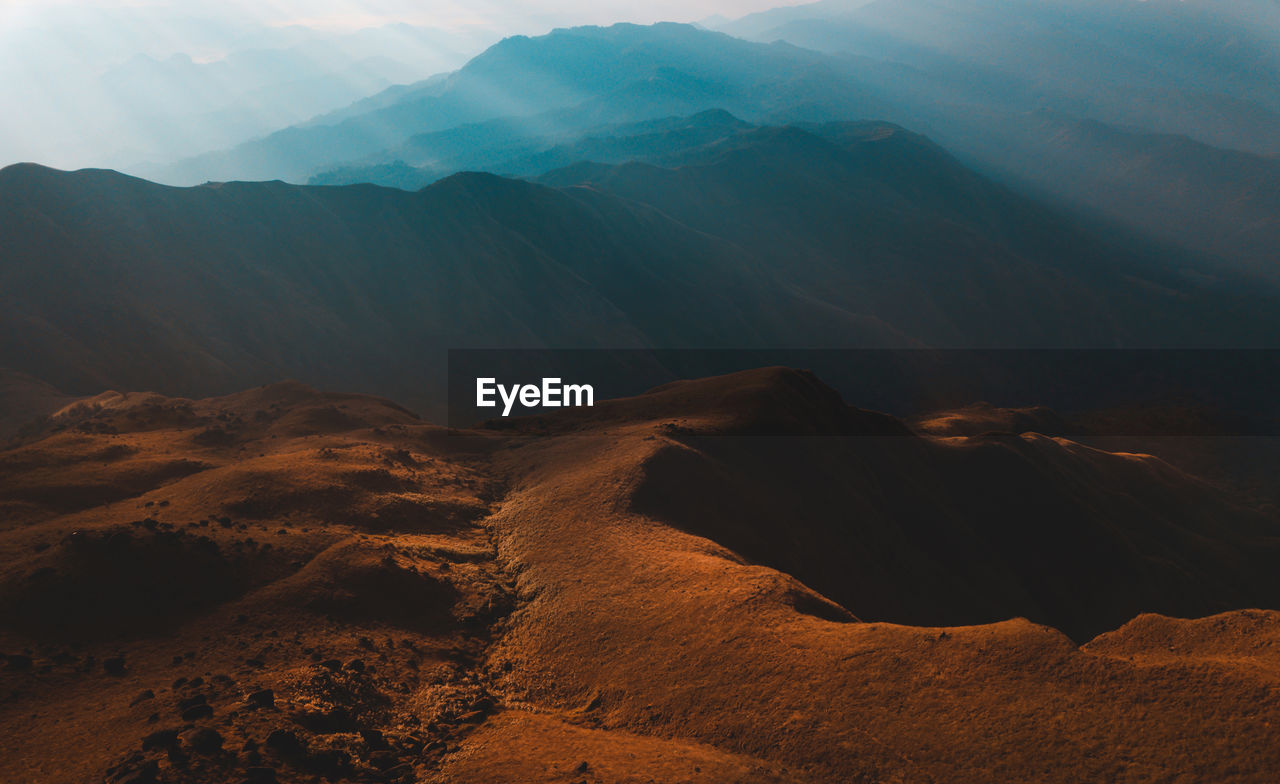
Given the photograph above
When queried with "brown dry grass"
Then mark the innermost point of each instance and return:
(485, 606)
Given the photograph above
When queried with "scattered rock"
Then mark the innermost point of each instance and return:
(145, 774)
(263, 698)
(383, 760)
(160, 739)
(192, 701)
(197, 712)
(17, 661)
(177, 757)
(330, 763)
(284, 742)
(259, 775)
(143, 697)
(326, 721)
(374, 739)
(205, 741)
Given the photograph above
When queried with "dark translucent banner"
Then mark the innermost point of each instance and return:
(1101, 392)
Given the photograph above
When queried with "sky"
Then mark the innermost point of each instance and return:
(508, 16)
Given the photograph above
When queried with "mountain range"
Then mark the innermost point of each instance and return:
(1189, 68)
(1217, 202)
(1161, 115)
(845, 235)
(545, 86)
(528, 105)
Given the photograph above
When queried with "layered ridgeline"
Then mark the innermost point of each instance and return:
(111, 281)
(1163, 115)
(863, 236)
(1205, 74)
(1224, 204)
(513, 148)
(979, 76)
(1220, 202)
(565, 82)
(970, 262)
(1197, 68)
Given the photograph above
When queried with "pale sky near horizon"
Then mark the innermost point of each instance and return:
(505, 16)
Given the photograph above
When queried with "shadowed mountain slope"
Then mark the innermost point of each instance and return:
(873, 218)
(114, 282)
(951, 531)
(857, 235)
(1222, 203)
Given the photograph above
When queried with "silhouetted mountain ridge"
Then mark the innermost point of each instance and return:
(767, 237)
(141, 286)
(883, 221)
(1223, 203)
